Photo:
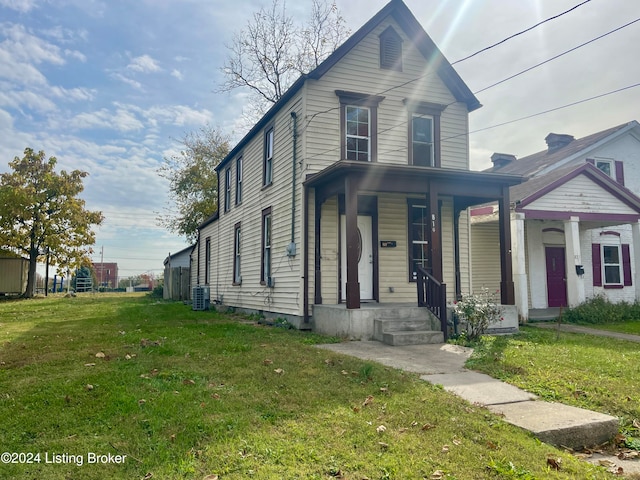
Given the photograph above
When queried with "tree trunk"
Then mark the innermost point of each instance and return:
(33, 262)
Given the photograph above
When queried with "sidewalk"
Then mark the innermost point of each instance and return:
(443, 364)
(566, 327)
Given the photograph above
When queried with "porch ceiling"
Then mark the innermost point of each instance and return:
(469, 188)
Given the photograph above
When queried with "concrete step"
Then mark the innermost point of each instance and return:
(415, 337)
(388, 325)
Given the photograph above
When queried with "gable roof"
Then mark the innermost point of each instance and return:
(181, 252)
(537, 187)
(410, 25)
(539, 163)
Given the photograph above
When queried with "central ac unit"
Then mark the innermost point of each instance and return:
(200, 297)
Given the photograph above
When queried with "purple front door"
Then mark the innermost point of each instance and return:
(556, 277)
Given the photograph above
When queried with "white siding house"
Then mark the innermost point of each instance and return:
(353, 189)
(575, 221)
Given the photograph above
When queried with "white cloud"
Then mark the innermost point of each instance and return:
(144, 64)
(73, 94)
(22, 6)
(17, 99)
(178, 115)
(177, 73)
(24, 46)
(121, 120)
(129, 81)
(76, 54)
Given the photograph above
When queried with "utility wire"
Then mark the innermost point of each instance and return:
(557, 56)
(520, 33)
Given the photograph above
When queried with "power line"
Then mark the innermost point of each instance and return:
(557, 56)
(520, 33)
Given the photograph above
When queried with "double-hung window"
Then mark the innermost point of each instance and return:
(237, 244)
(418, 237)
(267, 165)
(266, 246)
(207, 261)
(239, 181)
(358, 126)
(422, 140)
(612, 264)
(227, 189)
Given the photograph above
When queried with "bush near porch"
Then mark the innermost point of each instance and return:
(599, 310)
(189, 394)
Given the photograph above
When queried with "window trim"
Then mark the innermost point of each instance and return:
(618, 284)
(267, 161)
(428, 109)
(413, 202)
(265, 268)
(237, 254)
(239, 174)
(227, 189)
(355, 99)
(207, 261)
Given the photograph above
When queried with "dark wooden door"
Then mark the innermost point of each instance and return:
(556, 277)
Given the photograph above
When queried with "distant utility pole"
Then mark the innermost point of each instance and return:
(101, 264)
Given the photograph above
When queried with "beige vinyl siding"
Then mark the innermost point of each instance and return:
(580, 194)
(286, 297)
(465, 258)
(485, 255)
(329, 251)
(448, 248)
(394, 262)
(358, 71)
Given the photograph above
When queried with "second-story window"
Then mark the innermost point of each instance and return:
(239, 181)
(422, 140)
(358, 126)
(227, 189)
(267, 167)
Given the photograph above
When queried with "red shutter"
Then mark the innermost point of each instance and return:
(596, 261)
(619, 173)
(626, 265)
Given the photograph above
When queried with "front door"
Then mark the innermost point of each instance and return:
(556, 277)
(365, 257)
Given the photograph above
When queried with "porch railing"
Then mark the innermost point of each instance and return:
(433, 295)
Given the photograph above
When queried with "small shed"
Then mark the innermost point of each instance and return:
(13, 275)
(177, 276)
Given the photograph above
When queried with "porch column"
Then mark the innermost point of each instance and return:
(635, 232)
(351, 232)
(436, 243)
(317, 278)
(507, 293)
(519, 265)
(573, 257)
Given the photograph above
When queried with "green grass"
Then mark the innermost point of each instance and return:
(631, 327)
(188, 394)
(587, 371)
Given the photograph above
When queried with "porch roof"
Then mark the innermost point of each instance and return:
(468, 187)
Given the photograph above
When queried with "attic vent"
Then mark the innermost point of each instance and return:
(390, 50)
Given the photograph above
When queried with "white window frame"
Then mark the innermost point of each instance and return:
(605, 161)
(227, 190)
(267, 227)
(239, 181)
(617, 265)
(237, 246)
(355, 136)
(268, 157)
(412, 241)
(432, 159)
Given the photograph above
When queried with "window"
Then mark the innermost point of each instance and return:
(424, 133)
(605, 166)
(227, 189)
(358, 125)
(239, 181)
(390, 50)
(237, 243)
(265, 269)
(207, 261)
(611, 264)
(418, 237)
(267, 166)
(358, 133)
(422, 140)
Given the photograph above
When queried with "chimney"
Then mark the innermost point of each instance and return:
(556, 141)
(501, 159)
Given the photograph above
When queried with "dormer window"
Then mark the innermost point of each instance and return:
(390, 50)
(610, 167)
(605, 166)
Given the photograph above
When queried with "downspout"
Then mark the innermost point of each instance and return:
(305, 278)
(292, 247)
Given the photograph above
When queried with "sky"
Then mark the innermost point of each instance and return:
(110, 87)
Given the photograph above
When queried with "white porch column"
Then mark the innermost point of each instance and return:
(635, 231)
(519, 265)
(573, 256)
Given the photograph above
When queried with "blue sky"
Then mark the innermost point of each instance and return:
(109, 86)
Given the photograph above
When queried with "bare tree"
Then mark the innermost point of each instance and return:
(272, 52)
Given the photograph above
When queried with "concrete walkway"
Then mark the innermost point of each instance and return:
(566, 327)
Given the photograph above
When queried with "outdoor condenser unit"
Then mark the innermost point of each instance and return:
(200, 297)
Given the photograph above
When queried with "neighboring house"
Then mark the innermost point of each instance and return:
(353, 188)
(177, 276)
(14, 271)
(107, 274)
(575, 229)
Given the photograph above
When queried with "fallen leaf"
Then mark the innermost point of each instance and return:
(383, 445)
(100, 355)
(216, 396)
(606, 463)
(636, 424)
(381, 429)
(491, 445)
(148, 476)
(428, 426)
(142, 401)
(368, 401)
(202, 404)
(188, 382)
(402, 430)
(456, 442)
(211, 477)
(154, 372)
(328, 362)
(618, 471)
(89, 364)
(88, 387)
(437, 475)
(266, 361)
(384, 389)
(356, 409)
(172, 437)
(344, 372)
(127, 357)
(445, 449)
(414, 424)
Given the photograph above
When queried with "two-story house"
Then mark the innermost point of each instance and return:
(575, 230)
(353, 189)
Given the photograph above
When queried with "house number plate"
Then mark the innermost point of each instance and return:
(387, 243)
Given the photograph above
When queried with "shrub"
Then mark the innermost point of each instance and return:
(477, 312)
(600, 310)
(157, 292)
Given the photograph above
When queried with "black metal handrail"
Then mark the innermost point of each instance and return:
(433, 295)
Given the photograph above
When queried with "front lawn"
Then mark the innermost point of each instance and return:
(597, 373)
(191, 395)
